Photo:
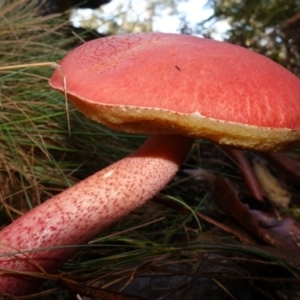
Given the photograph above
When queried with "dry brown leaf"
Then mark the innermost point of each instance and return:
(281, 232)
(276, 194)
(287, 164)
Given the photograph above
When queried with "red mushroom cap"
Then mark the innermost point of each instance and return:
(169, 83)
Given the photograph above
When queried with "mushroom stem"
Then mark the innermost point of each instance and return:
(78, 214)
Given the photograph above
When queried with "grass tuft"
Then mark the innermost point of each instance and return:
(38, 156)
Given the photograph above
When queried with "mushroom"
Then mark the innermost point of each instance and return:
(175, 87)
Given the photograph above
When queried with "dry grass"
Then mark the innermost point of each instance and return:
(38, 157)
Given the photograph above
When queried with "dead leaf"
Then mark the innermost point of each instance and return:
(288, 164)
(275, 193)
(250, 178)
(281, 232)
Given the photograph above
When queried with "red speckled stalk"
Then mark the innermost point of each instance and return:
(76, 215)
